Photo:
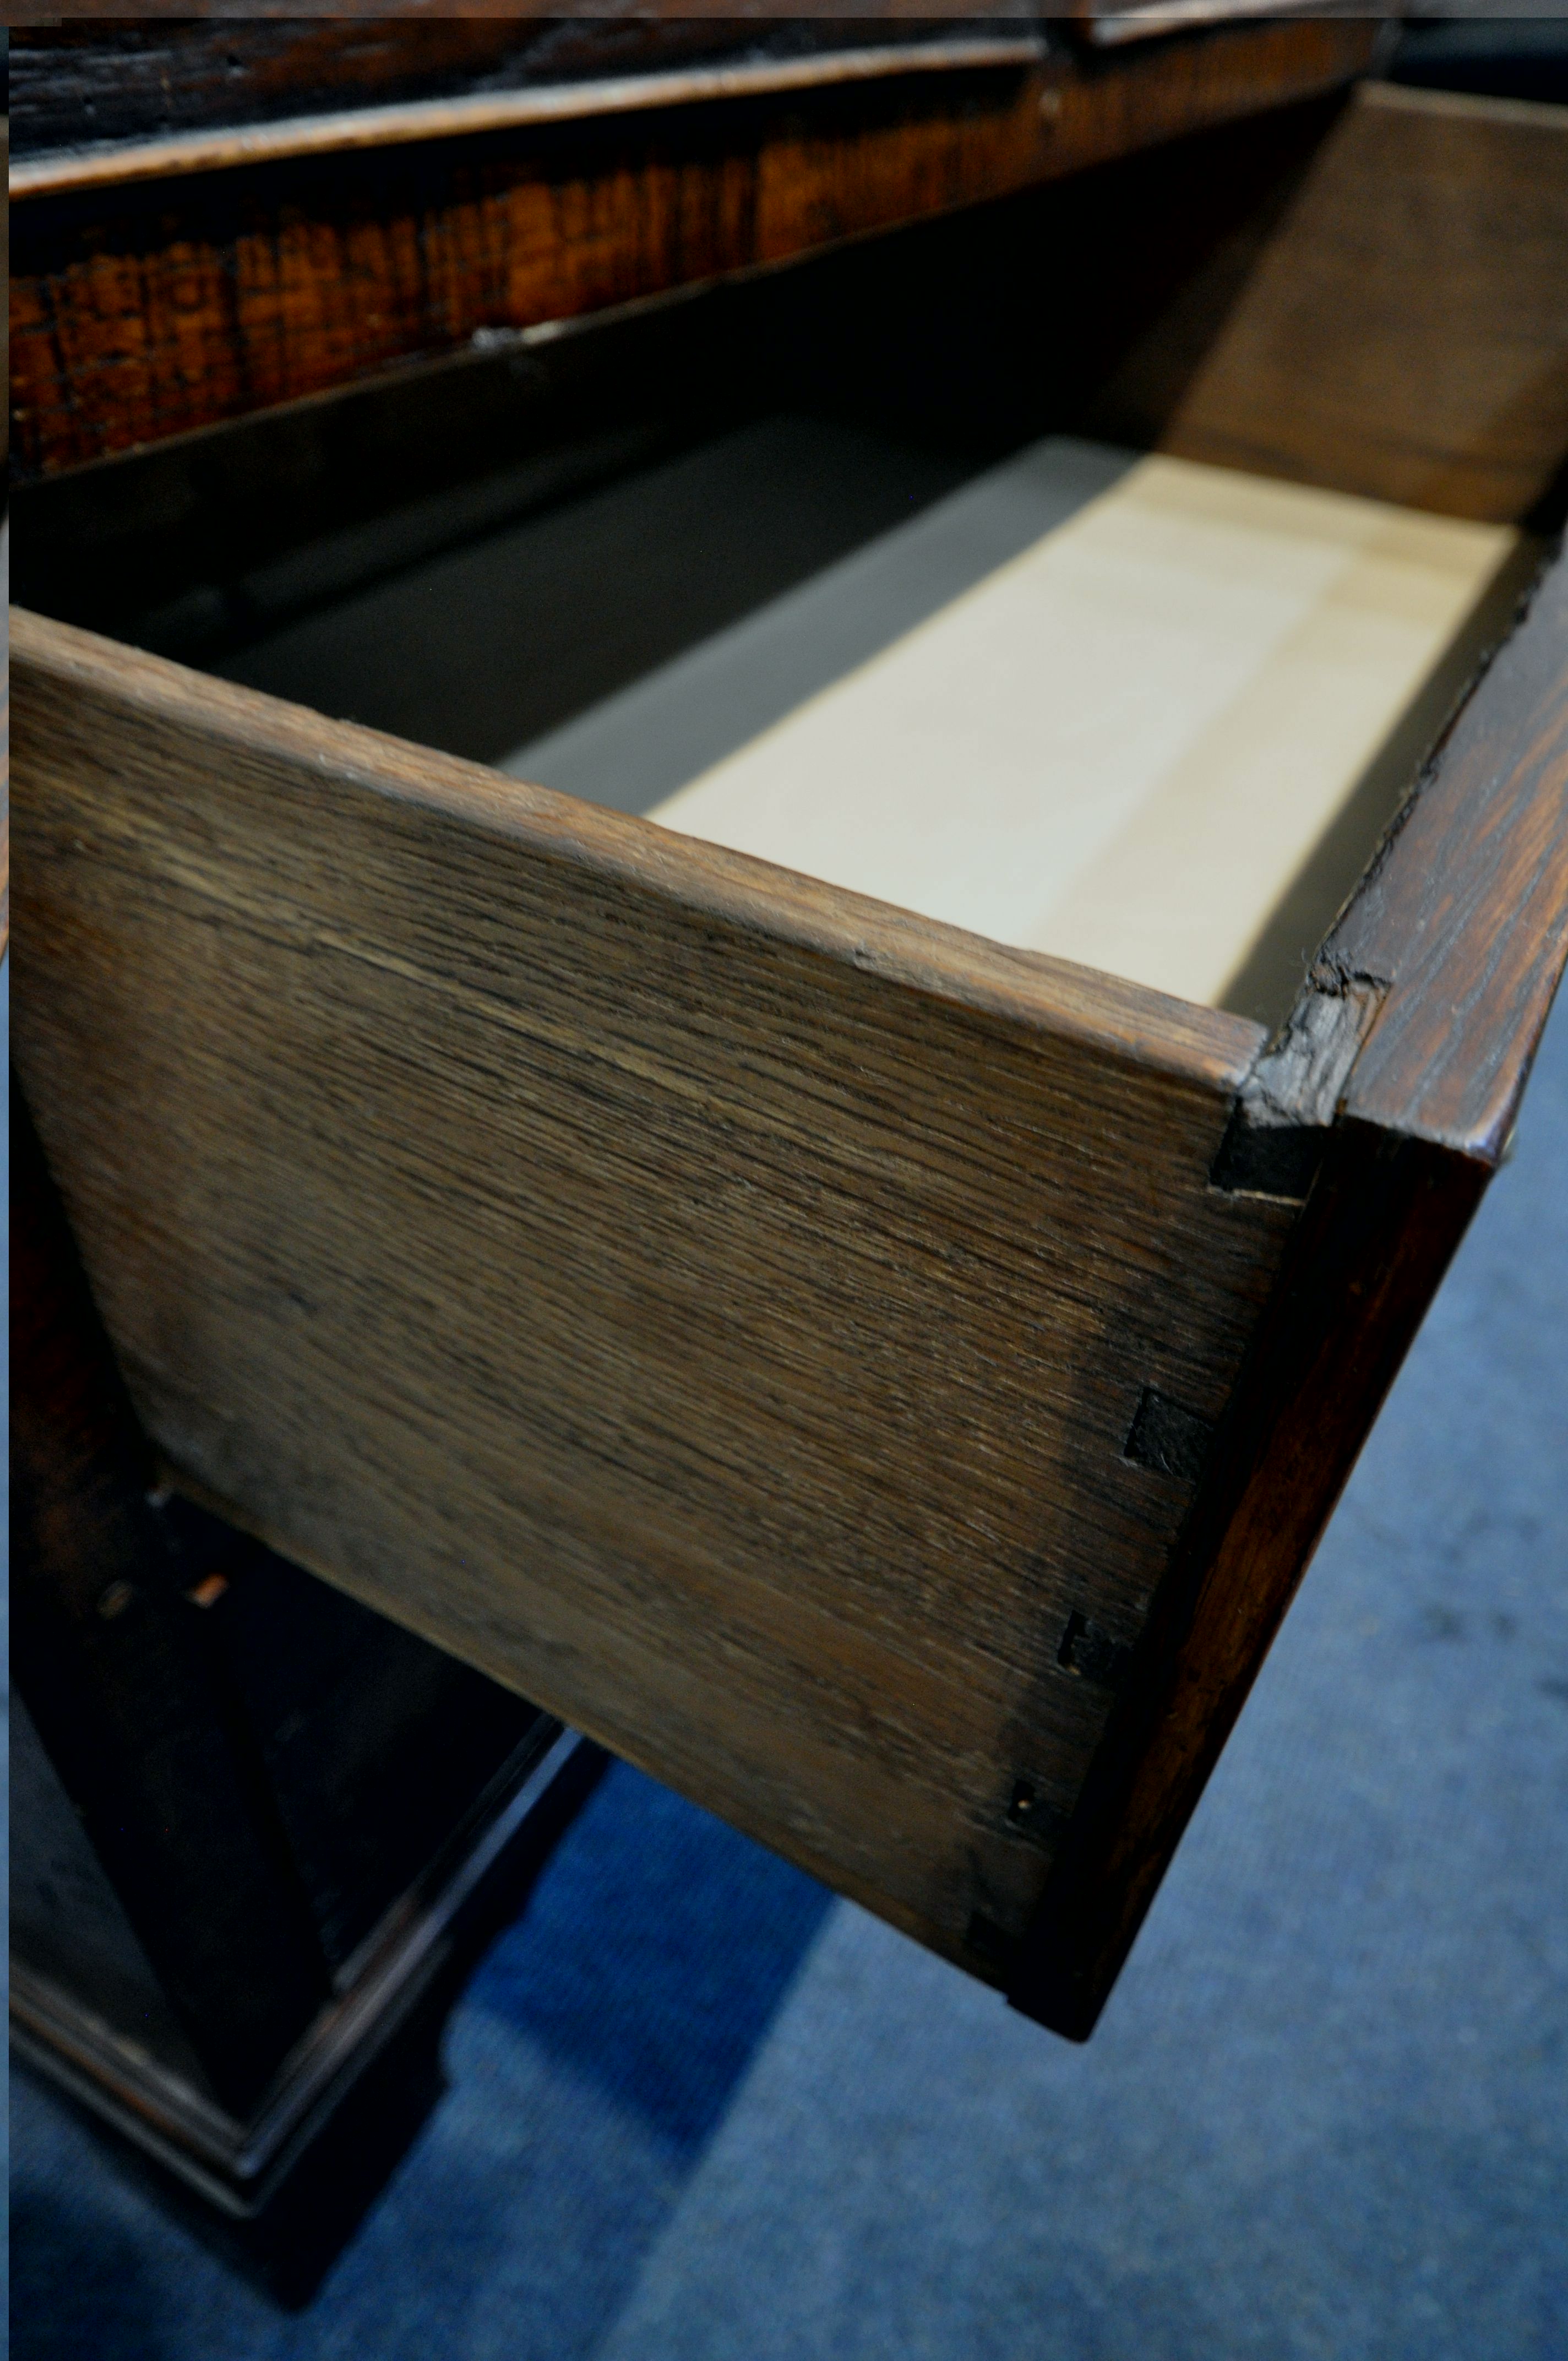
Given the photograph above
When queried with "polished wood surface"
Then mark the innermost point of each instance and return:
(416, 121)
(93, 81)
(145, 310)
(713, 1304)
(1405, 331)
(1112, 22)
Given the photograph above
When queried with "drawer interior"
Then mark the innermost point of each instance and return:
(991, 638)
(1131, 745)
(1135, 710)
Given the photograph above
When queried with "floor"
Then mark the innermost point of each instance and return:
(698, 2109)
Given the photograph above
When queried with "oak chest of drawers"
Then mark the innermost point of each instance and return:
(861, 1292)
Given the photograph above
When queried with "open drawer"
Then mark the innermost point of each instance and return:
(858, 1276)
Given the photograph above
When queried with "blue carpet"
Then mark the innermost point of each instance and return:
(695, 2111)
(592, 2054)
(652, 1957)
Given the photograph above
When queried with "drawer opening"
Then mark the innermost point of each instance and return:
(1161, 737)
(956, 568)
(1134, 711)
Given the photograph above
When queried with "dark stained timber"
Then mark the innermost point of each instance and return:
(1442, 971)
(149, 300)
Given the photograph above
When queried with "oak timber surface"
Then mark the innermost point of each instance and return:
(1405, 333)
(1123, 746)
(144, 310)
(711, 1303)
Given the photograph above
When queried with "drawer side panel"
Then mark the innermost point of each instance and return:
(716, 1305)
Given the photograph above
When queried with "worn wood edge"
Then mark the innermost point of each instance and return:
(1386, 1202)
(1380, 1226)
(1334, 1054)
(1058, 117)
(1460, 920)
(64, 170)
(1122, 1021)
(60, 171)
(412, 369)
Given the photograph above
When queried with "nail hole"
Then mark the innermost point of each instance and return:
(1090, 1653)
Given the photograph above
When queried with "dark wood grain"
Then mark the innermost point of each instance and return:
(968, 335)
(1380, 1226)
(1465, 917)
(1405, 333)
(143, 310)
(714, 1304)
(1386, 1105)
(396, 16)
(418, 121)
(232, 291)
